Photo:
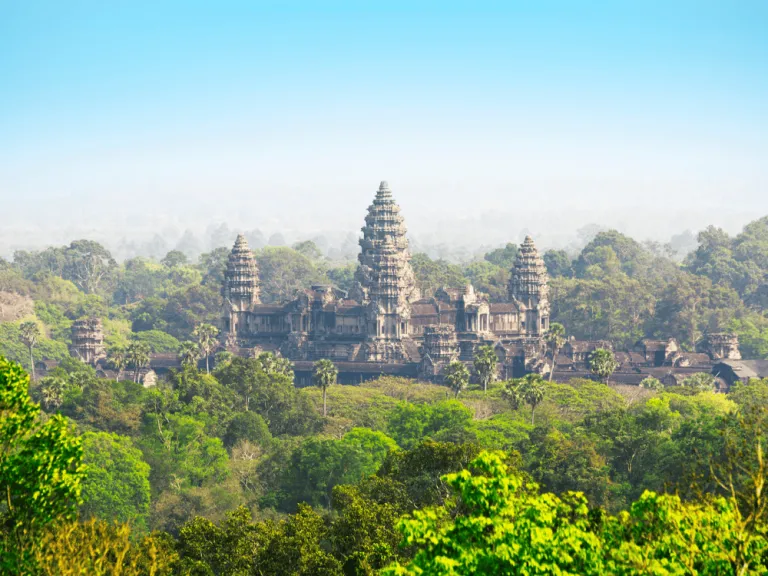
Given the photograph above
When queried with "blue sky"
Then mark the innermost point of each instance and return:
(294, 111)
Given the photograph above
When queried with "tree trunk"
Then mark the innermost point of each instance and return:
(32, 363)
(554, 363)
(207, 370)
(533, 415)
(324, 408)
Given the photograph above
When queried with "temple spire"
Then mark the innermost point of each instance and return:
(241, 278)
(528, 286)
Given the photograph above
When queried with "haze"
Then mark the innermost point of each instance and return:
(121, 121)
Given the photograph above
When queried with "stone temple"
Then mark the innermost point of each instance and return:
(383, 325)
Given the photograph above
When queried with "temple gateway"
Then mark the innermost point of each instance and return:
(383, 325)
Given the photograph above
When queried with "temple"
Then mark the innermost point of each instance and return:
(88, 340)
(383, 325)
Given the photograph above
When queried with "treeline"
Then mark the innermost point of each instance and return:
(238, 472)
(615, 289)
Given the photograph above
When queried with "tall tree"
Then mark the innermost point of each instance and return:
(206, 339)
(324, 376)
(486, 363)
(88, 264)
(531, 391)
(602, 363)
(30, 334)
(118, 358)
(189, 353)
(555, 340)
(138, 355)
(457, 377)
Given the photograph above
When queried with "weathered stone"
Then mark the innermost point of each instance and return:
(88, 340)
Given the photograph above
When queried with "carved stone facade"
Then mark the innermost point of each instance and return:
(88, 340)
(383, 321)
(440, 348)
(723, 346)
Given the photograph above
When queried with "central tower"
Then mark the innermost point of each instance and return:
(385, 282)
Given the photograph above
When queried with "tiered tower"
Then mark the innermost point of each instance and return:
(241, 285)
(528, 286)
(87, 340)
(385, 280)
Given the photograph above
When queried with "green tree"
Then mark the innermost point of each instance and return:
(174, 258)
(651, 383)
(272, 364)
(555, 339)
(457, 377)
(248, 426)
(138, 355)
(602, 363)
(117, 485)
(558, 264)
(189, 353)
(700, 381)
(41, 468)
(88, 264)
(503, 257)
(52, 389)
(527, 390)
(30, 334)
(486, 363)
(206, 340)
(118, 358)
(325, 373)
(502, 526)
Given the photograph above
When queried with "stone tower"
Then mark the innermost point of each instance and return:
(241, 286)
(87, 340)
(384, 279)
(528, 286)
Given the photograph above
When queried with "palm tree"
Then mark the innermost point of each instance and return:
(206, 339)
(189, 353)
(555, 339)
(528, 390)
(118, 359)
(602, 363)
(531, 391)
(30, 334)
(52, 391)
(273, 364)
(324, 376)
(457, 376)
(138, 355)
(485, 364)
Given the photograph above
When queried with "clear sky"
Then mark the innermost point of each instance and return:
(137, 114)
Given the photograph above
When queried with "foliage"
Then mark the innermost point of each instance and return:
(503, 526)
(40, 462)
(116, 487)
(98, 548)
(602, 363)
(319, 464)
(486, 365)
(324, 375)
(700, 381)
(652, 383)
(456, 375)
(434, 274)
